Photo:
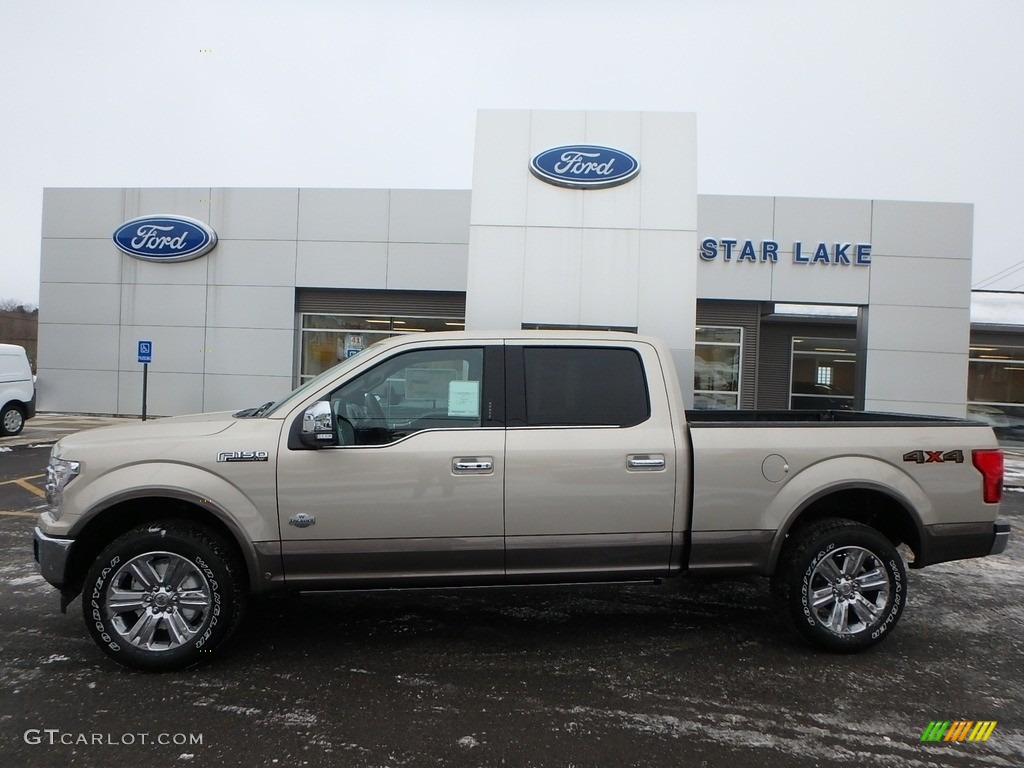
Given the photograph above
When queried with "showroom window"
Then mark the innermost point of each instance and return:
(995, 388)
(824, 374)
(329, 339)
(716, 368)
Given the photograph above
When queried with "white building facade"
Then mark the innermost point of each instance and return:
(300, 278)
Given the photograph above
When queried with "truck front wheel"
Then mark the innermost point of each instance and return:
(163, 596)
(844, 584)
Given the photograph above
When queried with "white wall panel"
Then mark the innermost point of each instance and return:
(427, 266)
(168, 394)
(917, 407)
(494, 292)
(181, 201)
(728, 280)
(926, 380)
(76, 391)
(138, 272)
(739, 217)
(668, 171)
(179, 349)
(82, 213)
(78, 346)
(429, 216)
(254, 214)
(501, 156)
(163, 304)
(814, 220)
(232, 306)
(667, 295)
(234, 392)
(80, 261)
(250, 351)
(349, 265)
(253, 262)
(359, 215)
(610, 277)
(935, 230)
(919, 329)
(667, 298)
(80, 303)
(552, 273)
(817, 283)
(948, 281)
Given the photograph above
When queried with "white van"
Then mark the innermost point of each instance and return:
(17, 390)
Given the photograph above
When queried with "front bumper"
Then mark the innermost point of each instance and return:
(959, 541)
(52, 555)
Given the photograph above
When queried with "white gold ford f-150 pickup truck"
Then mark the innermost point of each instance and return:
(466, 459)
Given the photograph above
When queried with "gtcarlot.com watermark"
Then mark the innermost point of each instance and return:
(54, 736)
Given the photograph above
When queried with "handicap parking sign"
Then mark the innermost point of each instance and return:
(145, 351)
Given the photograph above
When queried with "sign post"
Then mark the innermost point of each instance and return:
(145, 357)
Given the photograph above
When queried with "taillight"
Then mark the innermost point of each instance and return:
(989, 461)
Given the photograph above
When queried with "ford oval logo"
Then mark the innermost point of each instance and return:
(165, 238)
(584, 166)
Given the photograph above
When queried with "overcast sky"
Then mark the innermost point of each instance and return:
(885, 99)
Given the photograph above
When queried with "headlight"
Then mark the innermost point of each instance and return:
(59, 473)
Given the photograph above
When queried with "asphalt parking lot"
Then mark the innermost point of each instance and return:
(686, 673)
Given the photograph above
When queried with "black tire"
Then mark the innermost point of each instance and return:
(844, 584)
(177, 597)
(12, 420)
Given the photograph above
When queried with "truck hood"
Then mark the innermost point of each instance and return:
(167, 429)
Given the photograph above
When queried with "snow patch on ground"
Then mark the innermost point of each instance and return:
(250, 711)
(22, 580)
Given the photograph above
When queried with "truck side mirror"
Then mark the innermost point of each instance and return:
(318, 426)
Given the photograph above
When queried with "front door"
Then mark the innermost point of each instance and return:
(413, 493)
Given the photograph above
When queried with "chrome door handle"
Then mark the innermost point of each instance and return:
(645, 461)
(478, 465)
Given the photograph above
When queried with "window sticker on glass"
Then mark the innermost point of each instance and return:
(464, 398)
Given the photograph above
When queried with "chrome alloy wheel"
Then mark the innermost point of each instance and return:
(849, 590)
(158, 601)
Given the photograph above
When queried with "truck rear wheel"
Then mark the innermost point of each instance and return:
(843, 583)
(163, 596)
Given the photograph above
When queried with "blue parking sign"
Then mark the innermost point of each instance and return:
(145, 351)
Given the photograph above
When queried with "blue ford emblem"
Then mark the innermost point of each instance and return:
(165, 238)
(584, 166)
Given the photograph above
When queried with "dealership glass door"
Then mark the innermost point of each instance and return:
(824, 374)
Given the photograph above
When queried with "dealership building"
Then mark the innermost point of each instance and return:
(575, 220)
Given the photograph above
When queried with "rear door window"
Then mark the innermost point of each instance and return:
(584, 386)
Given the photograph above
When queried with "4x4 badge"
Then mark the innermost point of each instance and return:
(302, 520)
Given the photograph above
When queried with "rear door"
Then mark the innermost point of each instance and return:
(590, 463)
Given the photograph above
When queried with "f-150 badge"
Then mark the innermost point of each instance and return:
(243, 456)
